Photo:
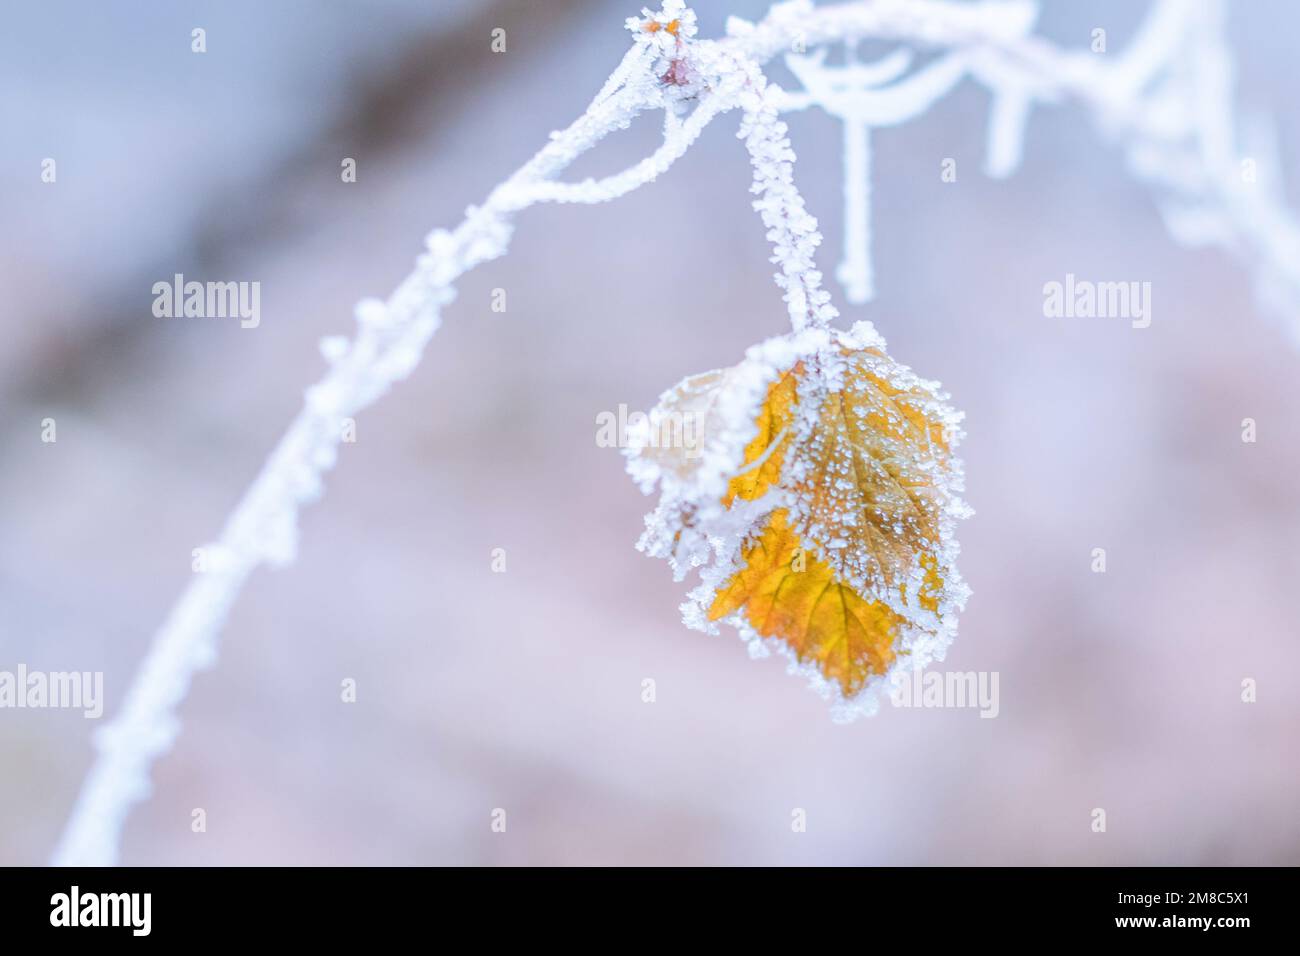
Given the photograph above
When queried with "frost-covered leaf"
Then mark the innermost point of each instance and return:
(818, 502)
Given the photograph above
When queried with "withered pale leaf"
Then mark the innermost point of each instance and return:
(679, 423)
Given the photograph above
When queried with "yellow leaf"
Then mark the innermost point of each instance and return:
(868, 494)
(765, 454)
(824, 622)
(833, 536)
(863, 462)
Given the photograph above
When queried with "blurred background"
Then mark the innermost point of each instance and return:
(522, 691)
